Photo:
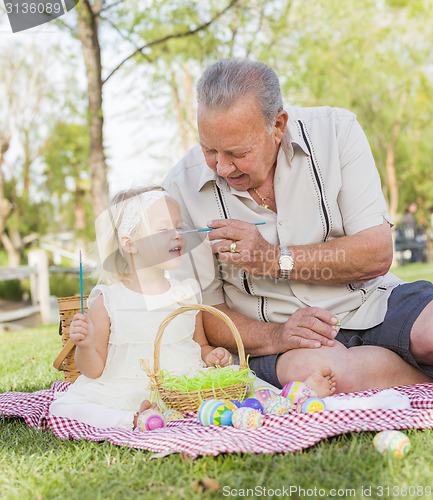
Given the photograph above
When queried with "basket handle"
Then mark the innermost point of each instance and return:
(196, 307)
(67, 348)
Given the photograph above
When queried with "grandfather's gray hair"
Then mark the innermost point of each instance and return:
(223, 83)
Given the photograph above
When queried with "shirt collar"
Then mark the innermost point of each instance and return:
(296, 138)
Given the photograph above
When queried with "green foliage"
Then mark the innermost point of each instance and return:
(67, 178)
(68, 285)
(11, 290)
(373, 59)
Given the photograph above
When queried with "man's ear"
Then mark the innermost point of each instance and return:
(128, 245)
(280, 125)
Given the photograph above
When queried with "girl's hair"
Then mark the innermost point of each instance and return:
(127, 212)
(227, 80)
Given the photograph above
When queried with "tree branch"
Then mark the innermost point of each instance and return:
(170, 37)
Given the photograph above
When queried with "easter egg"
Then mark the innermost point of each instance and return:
(231, 404)
(247, 417)
(150, 420)
(252, 403)
(393, 442)
(171, 415)
(310, 404)
(263, 394)
(226, 417)
(277, 406)
(211, 412)
(337, 326)
(294, 391)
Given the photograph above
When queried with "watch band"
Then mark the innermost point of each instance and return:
(285, 272)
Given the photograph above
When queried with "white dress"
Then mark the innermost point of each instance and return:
(112, 399)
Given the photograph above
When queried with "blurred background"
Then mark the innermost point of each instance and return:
(103, 99)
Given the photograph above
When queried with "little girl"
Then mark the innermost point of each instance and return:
(139, 240)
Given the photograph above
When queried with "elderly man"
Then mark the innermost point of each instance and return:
(324, 250)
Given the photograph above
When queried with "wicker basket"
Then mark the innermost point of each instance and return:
(191, 400)
(68, 306)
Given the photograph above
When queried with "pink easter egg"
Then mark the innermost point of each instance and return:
(263, 394)
(294, 391)
(150, 420)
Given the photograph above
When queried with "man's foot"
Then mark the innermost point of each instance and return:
(322, 382)
(145, 405)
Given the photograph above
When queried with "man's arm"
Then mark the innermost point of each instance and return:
(308, 327)
(349, 259)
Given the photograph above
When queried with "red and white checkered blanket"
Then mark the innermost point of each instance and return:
(279, 433)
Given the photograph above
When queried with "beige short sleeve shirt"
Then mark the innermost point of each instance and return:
(329, 187)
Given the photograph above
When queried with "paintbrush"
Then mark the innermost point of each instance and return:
(205, 229)
(81, 285)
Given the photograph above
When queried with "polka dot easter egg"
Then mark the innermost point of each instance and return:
(150, 420)
(310, 404)
(337, 326)
(171, 415)
(395, 443)
(247, 417)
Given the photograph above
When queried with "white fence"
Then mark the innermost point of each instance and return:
(38, 271)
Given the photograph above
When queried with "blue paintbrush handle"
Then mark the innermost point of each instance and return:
(81, 285)
(200, 230)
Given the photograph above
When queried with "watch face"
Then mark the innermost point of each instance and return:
(286, 263)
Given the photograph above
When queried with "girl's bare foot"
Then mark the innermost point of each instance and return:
(145, 405)
(322, 382)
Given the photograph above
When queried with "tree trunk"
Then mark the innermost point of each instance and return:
(11, 250)
(88, 21)
(392, 178)
(5, 205)
(390, 158)
(180, 113)
(190, 108)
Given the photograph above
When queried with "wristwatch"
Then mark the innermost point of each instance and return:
(286, 263)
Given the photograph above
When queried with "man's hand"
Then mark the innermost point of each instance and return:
(252, 252)
(219, 357)
(308, 327)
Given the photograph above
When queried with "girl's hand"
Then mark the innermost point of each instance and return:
(219, 357)
(81, 331)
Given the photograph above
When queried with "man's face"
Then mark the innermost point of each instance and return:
(237, 143)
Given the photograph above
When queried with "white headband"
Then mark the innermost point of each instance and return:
(134, 211)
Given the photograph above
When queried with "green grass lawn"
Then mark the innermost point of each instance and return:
(415, 271)
(37, 465)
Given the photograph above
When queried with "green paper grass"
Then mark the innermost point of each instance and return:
(214, 378)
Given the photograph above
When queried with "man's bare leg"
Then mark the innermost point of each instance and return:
(421, 337)
(356, 369)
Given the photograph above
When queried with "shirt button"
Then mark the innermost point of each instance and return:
(280, 222)
(307, 298)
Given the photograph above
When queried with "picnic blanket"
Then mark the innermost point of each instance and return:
(279, 433)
